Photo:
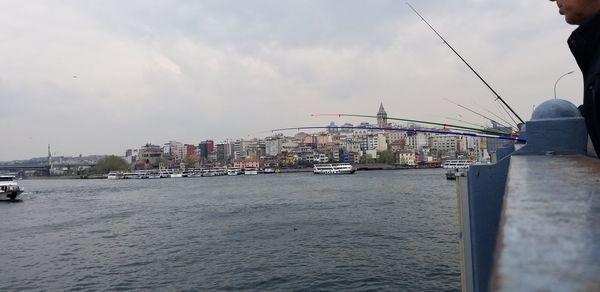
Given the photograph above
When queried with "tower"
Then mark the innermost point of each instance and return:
(381, 116)
(49, 156)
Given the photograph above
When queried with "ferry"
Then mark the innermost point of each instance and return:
(250, 170)
(234, 171)
(457, 164)
(333, 168)
(9, 187)
(114, 175)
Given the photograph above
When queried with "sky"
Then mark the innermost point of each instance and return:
(102, 76)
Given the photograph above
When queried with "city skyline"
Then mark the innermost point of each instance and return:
(102, 76)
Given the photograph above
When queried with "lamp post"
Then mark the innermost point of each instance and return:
(559, 80)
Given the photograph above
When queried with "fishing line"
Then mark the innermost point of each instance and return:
(464, 61)
(460, 133)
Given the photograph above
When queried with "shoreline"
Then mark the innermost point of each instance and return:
(359, 167)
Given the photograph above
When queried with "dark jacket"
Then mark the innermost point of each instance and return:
(585, 46)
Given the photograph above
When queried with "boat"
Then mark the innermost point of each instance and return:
(176, 175)
(457, 164)
(250, 170)
(114, 175)
(234, 171)
(333, 168)
(452, 174)
(214, 172)
(9, 187)
(268, 170)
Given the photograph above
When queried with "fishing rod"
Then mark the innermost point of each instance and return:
(462, 106)
(417, 121)
(464, 61)
(468, 123)
(460, 133)
(492, 113)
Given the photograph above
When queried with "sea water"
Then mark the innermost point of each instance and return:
(374, 230)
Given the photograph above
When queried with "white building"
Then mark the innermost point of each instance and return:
(405, 157)
(376, 142)
(393, 136)
(443, 142)
(273, 146)
(417, 141)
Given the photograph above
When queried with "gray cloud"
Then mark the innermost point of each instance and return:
(96, 77)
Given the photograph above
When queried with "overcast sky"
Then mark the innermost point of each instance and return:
(98, 77)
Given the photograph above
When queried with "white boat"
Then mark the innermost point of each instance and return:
(114, 175)
(333, 168)
(9, 187)
(268, 170)
(176, 175)
(457, 164)
(214, 172)
(250, 170)
(234, 171)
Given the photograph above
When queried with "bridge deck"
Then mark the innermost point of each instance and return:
(549, 236)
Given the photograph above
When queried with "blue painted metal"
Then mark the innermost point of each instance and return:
(486, 185)
(561, 187)
(554, 109)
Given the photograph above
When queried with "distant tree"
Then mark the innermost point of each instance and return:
(191, 161)
(386, 156)
(111, 163)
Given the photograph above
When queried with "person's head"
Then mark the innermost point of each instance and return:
(577, 11)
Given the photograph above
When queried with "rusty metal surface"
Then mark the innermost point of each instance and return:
(550, 227)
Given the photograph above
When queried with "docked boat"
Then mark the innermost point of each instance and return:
(457, 164)
(234, 171)
(250, 170)
(268, 170)
(114, 175)
(452, 174)
(9, 187)
(333, 168)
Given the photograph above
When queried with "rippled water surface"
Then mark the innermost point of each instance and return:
(375, 230)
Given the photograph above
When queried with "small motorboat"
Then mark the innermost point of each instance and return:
(9, 187)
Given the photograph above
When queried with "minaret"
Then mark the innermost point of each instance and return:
(381, 116)
(49, 160)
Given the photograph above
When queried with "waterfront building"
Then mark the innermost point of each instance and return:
(318, 139)
(394, 136)
(223, 151)
(273, 145)
(210, 146)
(202, 150)
(150, 156)
(254, 149)
(396, 146)
(351, 144)
(375, 142)
(236, 148)
(416, 140)
(405, 157)
(445, 143)
(176, 151)
(288, 145)
(247, 163)
(190, 151)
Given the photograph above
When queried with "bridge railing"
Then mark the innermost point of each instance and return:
(531, 222)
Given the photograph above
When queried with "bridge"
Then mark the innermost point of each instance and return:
(530, 222)
(22, 170)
